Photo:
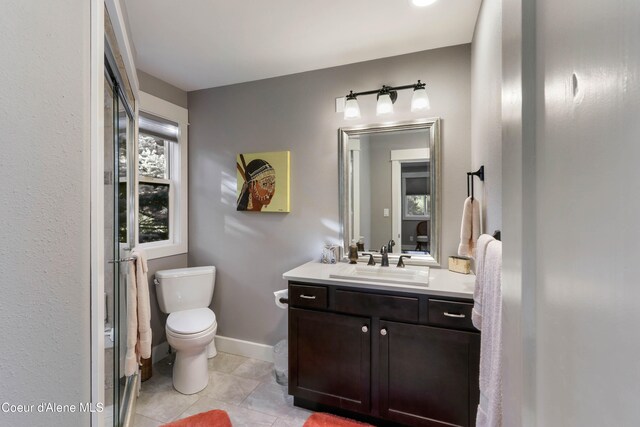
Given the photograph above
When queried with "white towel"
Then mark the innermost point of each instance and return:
(130, 358)
(138, 313)
(143, 306)
(490, 408)
(476, 313)
(470, 227)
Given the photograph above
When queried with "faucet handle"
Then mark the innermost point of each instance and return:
(371, 260)
(400, 263)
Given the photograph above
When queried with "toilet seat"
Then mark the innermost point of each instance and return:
(190, 322)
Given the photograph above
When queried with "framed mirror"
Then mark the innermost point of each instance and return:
(389, 178)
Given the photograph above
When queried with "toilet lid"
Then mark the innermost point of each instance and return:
(191, 321)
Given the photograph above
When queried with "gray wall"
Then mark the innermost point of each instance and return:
(156, 87)
(296, 113)
(380, 148)
(486, 113)
(45, 209)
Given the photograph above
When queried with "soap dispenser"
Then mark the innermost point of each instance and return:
(353, 252)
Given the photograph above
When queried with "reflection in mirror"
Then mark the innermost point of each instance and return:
(389, 179)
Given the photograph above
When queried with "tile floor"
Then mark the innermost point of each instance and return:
(245, 388)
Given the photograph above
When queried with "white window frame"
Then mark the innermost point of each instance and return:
(178, 166)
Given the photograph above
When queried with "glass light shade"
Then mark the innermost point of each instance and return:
(351, 109)
(422, 3)
(384, 105)
(420, 100)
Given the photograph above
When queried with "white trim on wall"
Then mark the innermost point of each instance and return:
(235, 346)
(179, 228)
(244, 348)
(97, 208)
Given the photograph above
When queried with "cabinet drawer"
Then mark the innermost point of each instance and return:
(308, 296)
(450, 314)
(389, 307)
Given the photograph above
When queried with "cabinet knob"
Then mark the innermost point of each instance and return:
(383, 332)
(365, 329)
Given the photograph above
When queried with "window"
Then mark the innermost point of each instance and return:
(162, 177)
(415, 195)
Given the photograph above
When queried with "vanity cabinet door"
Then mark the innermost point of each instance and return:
(428, 376)
(330, 359)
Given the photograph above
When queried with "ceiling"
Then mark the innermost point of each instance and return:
(197, 44)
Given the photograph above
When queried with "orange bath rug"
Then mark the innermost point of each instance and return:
(215, 418)
(320, 419)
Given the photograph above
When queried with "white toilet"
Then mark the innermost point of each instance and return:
(185, 294)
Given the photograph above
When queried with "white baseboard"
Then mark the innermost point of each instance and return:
(159, 352)
(226, 345)
(244, 348)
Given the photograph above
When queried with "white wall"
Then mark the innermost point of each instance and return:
(44, 207)
(486, 113)
(571, 271)
(297, 113)
(587, 185)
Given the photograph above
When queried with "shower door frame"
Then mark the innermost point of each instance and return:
(97, 255)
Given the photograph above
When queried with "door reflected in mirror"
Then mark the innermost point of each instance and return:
(389, 178)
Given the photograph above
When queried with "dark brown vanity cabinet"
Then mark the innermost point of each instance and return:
(405, 359)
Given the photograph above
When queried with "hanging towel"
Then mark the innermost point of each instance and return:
(130, 358)
(490, 408)
(138, 313)
(470, 227)
(476, 313)
(143, 306)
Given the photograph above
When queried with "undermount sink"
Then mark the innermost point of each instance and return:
(388, 275)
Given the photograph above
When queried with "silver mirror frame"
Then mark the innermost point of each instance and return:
(433, 126)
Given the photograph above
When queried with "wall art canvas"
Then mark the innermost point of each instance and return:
(263, 181)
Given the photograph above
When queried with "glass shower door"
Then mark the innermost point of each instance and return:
(118, 220)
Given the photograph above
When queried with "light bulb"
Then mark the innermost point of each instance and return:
(420, 100)
(384, 105)
(351, 108)
(422, 3)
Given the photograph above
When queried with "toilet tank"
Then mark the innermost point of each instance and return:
(185, 288)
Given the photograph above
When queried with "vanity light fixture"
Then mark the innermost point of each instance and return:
(420, 99)
(423, 3)
(351, 107)
(385, 102)
(387, 96)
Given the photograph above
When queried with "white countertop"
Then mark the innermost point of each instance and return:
(441, 281)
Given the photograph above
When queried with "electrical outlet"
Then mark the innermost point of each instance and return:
(385, 212)
(411, 238)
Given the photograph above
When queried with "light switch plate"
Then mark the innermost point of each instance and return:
(385, 212)
(340, 104)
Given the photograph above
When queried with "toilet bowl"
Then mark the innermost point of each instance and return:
(190, 332)
(191, 326)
